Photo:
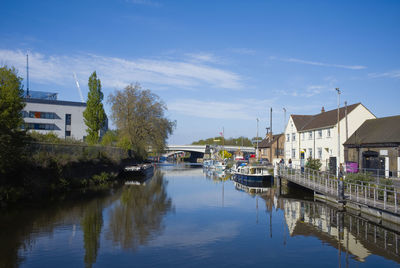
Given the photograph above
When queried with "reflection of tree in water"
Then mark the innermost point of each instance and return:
(91, 223)
(139, 214)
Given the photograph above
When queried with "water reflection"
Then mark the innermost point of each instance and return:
(352, 235)
(22, 227)
(92, 223)
(349, 234)
(138, 215)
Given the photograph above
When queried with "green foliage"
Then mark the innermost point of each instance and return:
(314, 164)
(139, 117)
(12, 138)
(110, 138)
(225, 154)
(51, 137)
(357, 178)
(220, 141)
(94, 115)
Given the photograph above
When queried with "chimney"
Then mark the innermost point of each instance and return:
(322, 110)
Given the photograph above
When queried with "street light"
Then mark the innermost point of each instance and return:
(257, 140)
(338, 158)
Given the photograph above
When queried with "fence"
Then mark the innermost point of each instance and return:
(374, 194)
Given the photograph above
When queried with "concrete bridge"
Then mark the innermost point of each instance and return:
(202, 148)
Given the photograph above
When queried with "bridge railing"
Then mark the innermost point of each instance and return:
(375, 194)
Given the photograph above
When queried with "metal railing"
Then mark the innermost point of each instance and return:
(374, 194)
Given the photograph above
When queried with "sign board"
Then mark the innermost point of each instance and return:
(383, 152)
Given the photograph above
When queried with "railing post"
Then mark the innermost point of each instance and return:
(384, 199)
(374, 196)
(350, 190)
(365, 194)
(395, 201)
(357, 192)
(326, 185)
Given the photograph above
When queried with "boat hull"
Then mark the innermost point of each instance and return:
(252, 177)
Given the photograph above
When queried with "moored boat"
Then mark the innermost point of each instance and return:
(146, 170)
(257, 173)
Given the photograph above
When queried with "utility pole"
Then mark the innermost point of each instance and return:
(338, 154)
(284, 119)
(347, 126)
(257, 141)
(27, 76)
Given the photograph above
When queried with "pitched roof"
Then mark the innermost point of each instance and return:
(266, 143)
(380, 130)
(321, 120)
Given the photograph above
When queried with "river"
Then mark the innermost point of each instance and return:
(183, 217)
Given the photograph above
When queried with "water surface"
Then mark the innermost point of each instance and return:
(187, 218)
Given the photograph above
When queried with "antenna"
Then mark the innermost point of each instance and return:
(79, 88)
(27, 76)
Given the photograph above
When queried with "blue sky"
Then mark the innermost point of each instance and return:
(216, 64)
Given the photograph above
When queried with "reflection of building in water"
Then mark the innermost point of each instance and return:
(349, 234)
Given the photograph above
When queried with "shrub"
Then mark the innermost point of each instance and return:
(314, 164)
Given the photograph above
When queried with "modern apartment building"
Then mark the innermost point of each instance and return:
(316, 136)
(44, 113)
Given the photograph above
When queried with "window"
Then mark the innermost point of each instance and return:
(310, 152)
(293, 136)
(302, 136)
(287, 137)
(310, 135)
(67, 119)
(320, 134)
(67, 133)
(328, 132)
(319, 153)
(45, 115)
(40, 126)
(293, 153)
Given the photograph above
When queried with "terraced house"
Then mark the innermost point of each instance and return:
(316, 136)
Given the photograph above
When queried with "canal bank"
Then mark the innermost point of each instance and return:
(54, 169)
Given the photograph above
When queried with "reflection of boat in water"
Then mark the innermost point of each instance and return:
(255, 173)
(252, 186)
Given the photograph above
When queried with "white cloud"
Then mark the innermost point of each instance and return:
(392, 74)
(203, 57)
(119, 72)
(351, 67)
(307, 92)
(245, 51)
(245, 109)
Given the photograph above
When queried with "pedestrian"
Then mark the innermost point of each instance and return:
(290, 162)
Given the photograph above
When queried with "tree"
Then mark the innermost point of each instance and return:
(314, 164)
(94, 115)
(225, 154)
(11, 121)
(139, 117)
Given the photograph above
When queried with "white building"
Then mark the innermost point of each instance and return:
(64, 118)
(317, 135)
(44, 113)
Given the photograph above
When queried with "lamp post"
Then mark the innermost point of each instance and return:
(338, 155)
(257, 141)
